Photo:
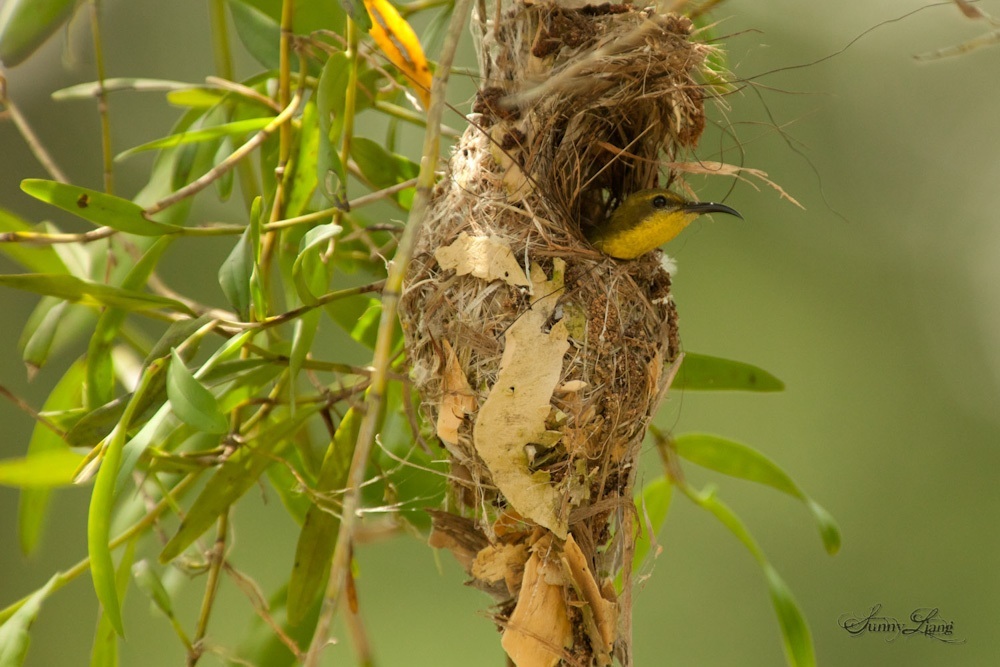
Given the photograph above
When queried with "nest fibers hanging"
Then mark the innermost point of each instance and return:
(540, 360)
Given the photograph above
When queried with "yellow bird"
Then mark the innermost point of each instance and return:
(646, 220)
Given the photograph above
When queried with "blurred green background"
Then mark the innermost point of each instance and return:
(878, 305)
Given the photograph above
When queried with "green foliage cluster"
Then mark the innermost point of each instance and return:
(225, 396)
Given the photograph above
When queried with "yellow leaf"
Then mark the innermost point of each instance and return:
(400, 44)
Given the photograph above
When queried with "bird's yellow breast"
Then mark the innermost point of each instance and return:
(629, 236)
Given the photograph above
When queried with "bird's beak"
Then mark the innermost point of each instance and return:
(700, 208)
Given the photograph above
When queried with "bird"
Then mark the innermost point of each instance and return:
(646, 220)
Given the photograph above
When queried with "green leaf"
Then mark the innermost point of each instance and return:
(90, 293)
(651, 506)
(101, 209)
(331, 94)
(26, 24)
(304, 334)
(34, 502)
(382, 168)
(40, 259)
(304, 174)
(236, 476)
(702, 372)
(92, 89)
(235, 128)
(105, 650)
(149, 583)
(794, 630)
(235, 274)
(356, 10)
(40, 331)
(259, 33)
(738, 460)
(310, 274)
(193, 404)
(359, 316)
(102, 503)
(100, 367)
(195, 98)
(43, 470)
(14, 637)
(318, 537)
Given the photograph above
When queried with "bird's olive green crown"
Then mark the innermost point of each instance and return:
(646, 220)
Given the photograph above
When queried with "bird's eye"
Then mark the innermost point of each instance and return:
(659, 201)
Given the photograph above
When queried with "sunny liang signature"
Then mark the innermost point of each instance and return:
(923, 621)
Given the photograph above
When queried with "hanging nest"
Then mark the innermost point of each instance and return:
(540, 360)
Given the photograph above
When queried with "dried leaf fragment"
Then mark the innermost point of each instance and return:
(539, 628)
(486, 257)
(457, 398)
(513, 414)
(604, 611)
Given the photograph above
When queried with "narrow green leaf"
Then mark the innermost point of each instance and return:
(99, 531)
(651, 506)
(40, 259)
(100, 365)
(14, 637)
(102, 504)
(303, 336)
(259, 33)
(195, 98)
(382, 168)
(702, 372)
(97, 424)
(359, 316)
(738, 460)
(34, 502)
(235, 128)
(309, 273)
(356, 10)
(331, 92)
(43, 470)
(97, 207)
(40, 331)
(235, 274)
(26, 24)
(105, 649)
(90, 293)
(306, 161)
(193, 404)
(149, 582)
(92, 89)
(318, 537)
(288, 488)
(236, 476)
(794, 630)
(224, 184)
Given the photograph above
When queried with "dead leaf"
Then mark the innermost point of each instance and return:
(486, 257)
(604, 611)
(457, 398)
(539, 627)
(515, 410)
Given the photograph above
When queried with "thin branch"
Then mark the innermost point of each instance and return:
(226, 165)
(108, 158)
(29, 136)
